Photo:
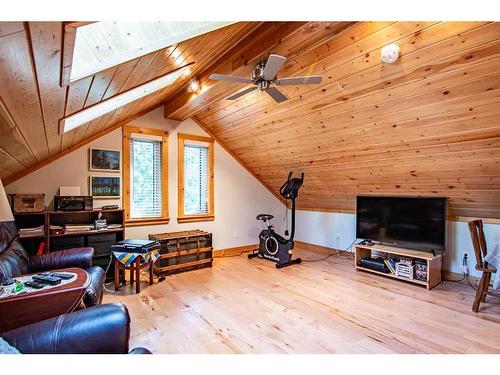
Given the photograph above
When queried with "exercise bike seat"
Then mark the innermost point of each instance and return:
(264, 217)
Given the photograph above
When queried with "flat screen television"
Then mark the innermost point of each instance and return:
(409, 222)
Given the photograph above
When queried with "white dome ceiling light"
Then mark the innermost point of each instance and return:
(390, 53)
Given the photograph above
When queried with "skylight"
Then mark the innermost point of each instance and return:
(101, 45)
(99, 109)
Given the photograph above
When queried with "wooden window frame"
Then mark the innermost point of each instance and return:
(127, 135)
(210, 216)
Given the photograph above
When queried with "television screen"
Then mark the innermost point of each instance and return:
(416, 223)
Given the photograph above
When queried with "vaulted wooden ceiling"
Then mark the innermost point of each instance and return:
(32, 100)
(426, 125)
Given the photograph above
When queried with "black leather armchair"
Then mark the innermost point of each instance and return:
(14, 261)
(102, 329)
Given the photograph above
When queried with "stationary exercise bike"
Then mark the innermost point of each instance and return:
(272, 246)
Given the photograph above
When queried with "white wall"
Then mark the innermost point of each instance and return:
(338, 230)
(239, 197)
(70, 170)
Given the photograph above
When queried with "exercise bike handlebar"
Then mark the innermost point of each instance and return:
(288, 182)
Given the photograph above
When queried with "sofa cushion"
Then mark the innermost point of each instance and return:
(8, 231)
(14, 260)
(102, 329)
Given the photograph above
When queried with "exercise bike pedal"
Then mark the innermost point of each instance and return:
(253, 255)
(289, 263)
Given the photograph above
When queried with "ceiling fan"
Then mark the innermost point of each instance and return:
(264, 76)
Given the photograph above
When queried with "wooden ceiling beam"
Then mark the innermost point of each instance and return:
(237, 61)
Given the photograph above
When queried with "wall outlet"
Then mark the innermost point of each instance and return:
(236, 234)
(464, 266)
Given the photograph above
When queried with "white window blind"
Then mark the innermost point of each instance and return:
(196, 171)
(145, 176)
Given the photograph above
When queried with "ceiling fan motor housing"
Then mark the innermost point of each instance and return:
(258, 77)
(263, 85)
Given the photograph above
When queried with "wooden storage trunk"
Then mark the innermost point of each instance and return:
(28, 202)
(183, 251)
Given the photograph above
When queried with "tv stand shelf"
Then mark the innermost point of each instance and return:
(433, 262)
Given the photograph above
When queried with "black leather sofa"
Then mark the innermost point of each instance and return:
(15, 261)
(101, 329)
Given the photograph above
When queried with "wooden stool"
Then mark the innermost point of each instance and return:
(135, 267)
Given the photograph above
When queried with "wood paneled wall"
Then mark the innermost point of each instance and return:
(426, 125)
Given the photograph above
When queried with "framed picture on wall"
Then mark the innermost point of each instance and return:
(105, 186)
(104, 160)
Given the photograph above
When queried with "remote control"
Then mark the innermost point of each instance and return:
(7, 281)
(47, 279)
(34, 284)
(62, 275)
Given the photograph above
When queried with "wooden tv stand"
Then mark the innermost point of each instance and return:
(434, 262)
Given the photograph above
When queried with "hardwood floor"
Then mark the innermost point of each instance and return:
(249, 306)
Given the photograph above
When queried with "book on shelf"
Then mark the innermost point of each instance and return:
(78, 227)
(28, 232)
(389, 265)
(393, 264)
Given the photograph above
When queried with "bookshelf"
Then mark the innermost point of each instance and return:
(432, 261)
(31, 220)
(100, 240)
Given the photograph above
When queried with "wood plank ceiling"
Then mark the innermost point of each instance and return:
(426, 125)
(32, 100)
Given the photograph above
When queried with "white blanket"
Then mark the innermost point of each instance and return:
(493, 258)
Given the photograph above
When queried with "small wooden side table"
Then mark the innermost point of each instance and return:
(37, 305)
(135, 268)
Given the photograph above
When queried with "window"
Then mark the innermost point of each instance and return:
(91, 47)
(145, 176)
(99, 109)
(196, 178)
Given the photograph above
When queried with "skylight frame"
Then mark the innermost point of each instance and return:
(97, 110)
(73, 71)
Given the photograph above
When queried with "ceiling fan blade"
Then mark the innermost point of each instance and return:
(308, 80)
(241, 93)
(276, 94)
(273, 65)
(223, 77)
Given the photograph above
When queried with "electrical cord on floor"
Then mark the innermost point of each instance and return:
(455, 281)
(465, 274)
(468, 282)
(232, 255)
(337, 253)
(106, 272)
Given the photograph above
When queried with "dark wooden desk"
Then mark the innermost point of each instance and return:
(26, 308)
